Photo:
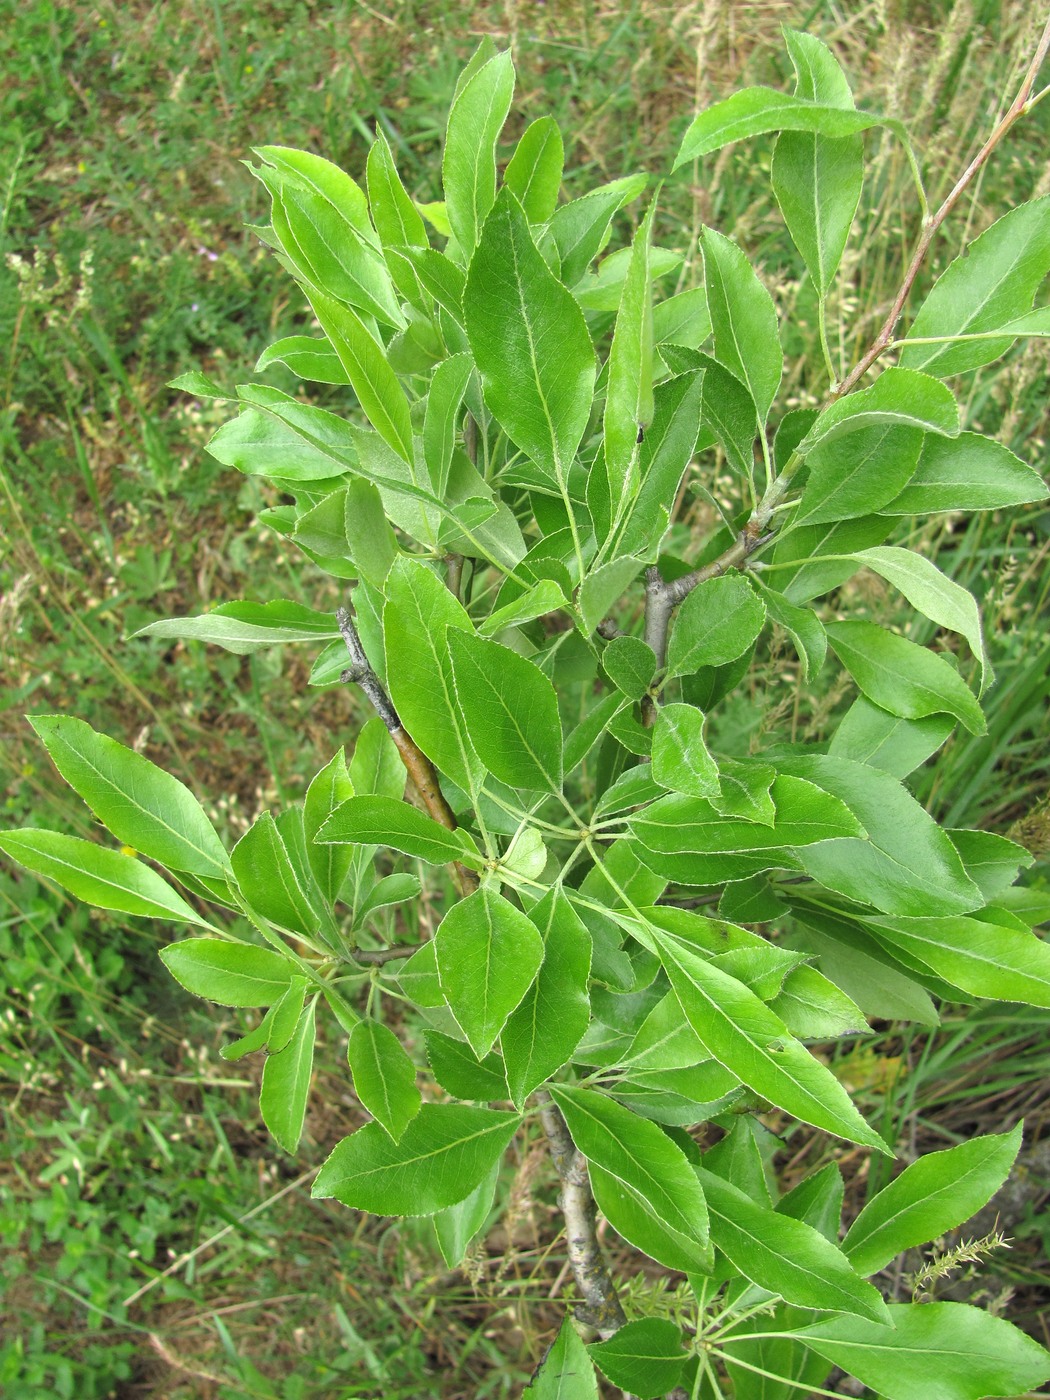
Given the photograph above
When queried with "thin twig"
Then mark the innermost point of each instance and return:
(376, 957)
(418, 767)
(1017, 109)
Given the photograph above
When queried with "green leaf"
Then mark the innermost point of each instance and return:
(785, 1255)
(715, 624)
(307, 357)
(800, 623)
(543, 597)
(108, 879)
(327, 790)
(231, 974)
(386, 821)
(992, 861)
(630, 664)
(488, 953)
(859, 473)
(580, 229)
(534, 170)
(989, 285)
(265, 872)
(199, 384)
(743, 1034)
(629, 389)
(983, 959)
(680, 759)
(439, 277)
(662, 461)
(396, 218)
(805, 814)
(384, 1076)
(898, 746)
(802, 571)
(444, 1153)
(644, 1357)
(246, 627)
(817, 179)
(902, 677)
(929, 1198)
(903, 397)
(754, 111)
(135, 800)
(444, 399)
(744, 320)
(286, 1084)
(933, 1351)
(813, 1008)
(878, 989)
(604, 587)
(907, 865)
(548, 1024)
(373, 381)
(566, 1372)
(418, 610)
(972, 473)
(933, 594)
(641, 1180)
(459, 1071)
(285, 1015)
(457, 1225)
(530, 343)
(468, 166)
(510, 711)
(418, 977)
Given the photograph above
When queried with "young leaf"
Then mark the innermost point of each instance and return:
(629, 391)
(307, 357)
(418, 610)
(267, 878)
(468, 166)
(232, 974)
(566, 1372)
(744, 320)
(286, 1014)
(858, 474)
(108, 879)
(644, 1357)
(534, 170)
(929, 1198)
(459, 1071)
(662, 461)
(327, 790)
(443, 1154)
(546, 1027)
(488, 953)
(530, 343)
(384, 1076)
(457, 1225)
(680, 758)
(580, 229)
(603, 587)
(447, 387)
(510, 711)
(718, 621)
(630, 664)
(817, 179)
(786, 1256)
(374, 382)
(972, 472)
(139, 803)
(902, 677)
(396, 218)
(743, 1034)
(991, 284)
(755, 111)
(932, 1351)
(384, 821)
(286, 1084)
(641, 1180)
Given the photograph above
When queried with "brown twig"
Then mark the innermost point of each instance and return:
(1017, 109)
(418, 767)
(377, 957)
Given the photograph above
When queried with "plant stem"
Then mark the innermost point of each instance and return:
(418, 767)
(601, 1307)
(1017, 109)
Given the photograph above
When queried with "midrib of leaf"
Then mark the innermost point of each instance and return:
(169, 909)
(967, 953)
(223, 870)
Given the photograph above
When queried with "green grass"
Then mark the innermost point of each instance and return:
(122, 129)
